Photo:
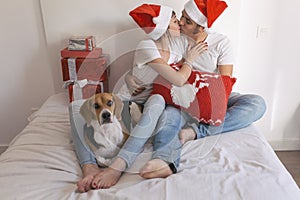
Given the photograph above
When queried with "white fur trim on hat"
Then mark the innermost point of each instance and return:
(162, 22)
(195, 14)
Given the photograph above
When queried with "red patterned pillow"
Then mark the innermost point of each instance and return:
(204, 96)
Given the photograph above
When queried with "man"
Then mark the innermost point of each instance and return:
(242, 110)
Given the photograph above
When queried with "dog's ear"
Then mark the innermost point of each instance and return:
(87, 113)
(118, 107)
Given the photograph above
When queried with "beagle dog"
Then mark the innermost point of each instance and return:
(103, 111)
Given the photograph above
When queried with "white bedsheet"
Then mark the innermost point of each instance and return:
(40, 163)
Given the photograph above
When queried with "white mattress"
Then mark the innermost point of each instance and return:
(40, 163)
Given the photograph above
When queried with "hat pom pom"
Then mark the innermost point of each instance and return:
(155, 20)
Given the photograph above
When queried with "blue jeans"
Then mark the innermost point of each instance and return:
(78, 129)
(242, 110)
(153, 108)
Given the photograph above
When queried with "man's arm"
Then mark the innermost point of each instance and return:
(225, 69)
(134, 84)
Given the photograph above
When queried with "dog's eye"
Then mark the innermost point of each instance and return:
(110, 103)
(96, 106)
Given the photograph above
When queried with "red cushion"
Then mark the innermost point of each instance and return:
(204, 96)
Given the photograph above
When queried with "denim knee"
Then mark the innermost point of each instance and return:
(156, 100)
(258, 105)
(170, 117)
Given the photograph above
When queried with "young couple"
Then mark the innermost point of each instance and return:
(210, 52)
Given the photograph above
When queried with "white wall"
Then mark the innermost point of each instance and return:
(31, 67)
(269, 65)
(25, 78)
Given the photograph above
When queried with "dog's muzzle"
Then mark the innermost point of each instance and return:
(106, 117)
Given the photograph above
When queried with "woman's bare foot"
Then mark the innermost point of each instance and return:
(89, 171)
(155, 168)
(187, 134)
(109, 176)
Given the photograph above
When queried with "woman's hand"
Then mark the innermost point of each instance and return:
(194, 52)
(134, 84)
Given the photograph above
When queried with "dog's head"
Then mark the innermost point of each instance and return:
(101, 107)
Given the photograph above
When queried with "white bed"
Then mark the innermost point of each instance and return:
(40, 163)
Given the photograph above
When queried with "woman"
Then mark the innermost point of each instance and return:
(152, 58)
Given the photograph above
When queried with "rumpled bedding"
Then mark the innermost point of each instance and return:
(40, 163)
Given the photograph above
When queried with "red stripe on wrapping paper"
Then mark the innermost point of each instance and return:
(87, 43)
(91, 69)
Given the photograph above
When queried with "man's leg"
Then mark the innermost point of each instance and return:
(242, 110)
(166, 145)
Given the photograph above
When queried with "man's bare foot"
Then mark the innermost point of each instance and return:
(89, 171)
(109, 176)
(155, 168)
(187, 134)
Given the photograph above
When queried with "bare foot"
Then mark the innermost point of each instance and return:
(155, 168)
(89, 171)
(109, 176)
(187, 134)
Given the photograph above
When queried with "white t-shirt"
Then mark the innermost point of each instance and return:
(145, 52)
(219, 53)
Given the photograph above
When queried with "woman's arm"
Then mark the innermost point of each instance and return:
(177, 78)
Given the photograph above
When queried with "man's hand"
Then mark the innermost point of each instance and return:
(134, 84)
(195, 51)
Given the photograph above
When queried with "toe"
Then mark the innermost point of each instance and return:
(96, 180)
(84, 184)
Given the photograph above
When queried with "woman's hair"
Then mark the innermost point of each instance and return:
(166, 37)
(173, 13)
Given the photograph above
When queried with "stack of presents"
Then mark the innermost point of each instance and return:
(84, 68)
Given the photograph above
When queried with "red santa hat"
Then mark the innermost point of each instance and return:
(205, 12)
(153, 19)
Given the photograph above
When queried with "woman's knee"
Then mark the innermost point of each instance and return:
(157, 99)
(155, 102)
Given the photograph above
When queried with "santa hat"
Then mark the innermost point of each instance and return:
(153, 19)
(205, 12)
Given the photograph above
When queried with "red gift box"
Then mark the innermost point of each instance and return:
(80, 68)
(85, 76)
(95, 53)
(77, 93)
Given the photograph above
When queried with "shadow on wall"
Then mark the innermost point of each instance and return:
(292, 129)
(121, 47)
(30, 91)
(118, 69)
(55, 66)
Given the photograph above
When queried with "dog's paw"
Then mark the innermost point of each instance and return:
(135, 113)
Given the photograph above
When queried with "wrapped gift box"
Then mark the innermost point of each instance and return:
(76, 92)
(80, 68)
(82, 43)
(85, 77)
(95, 53)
